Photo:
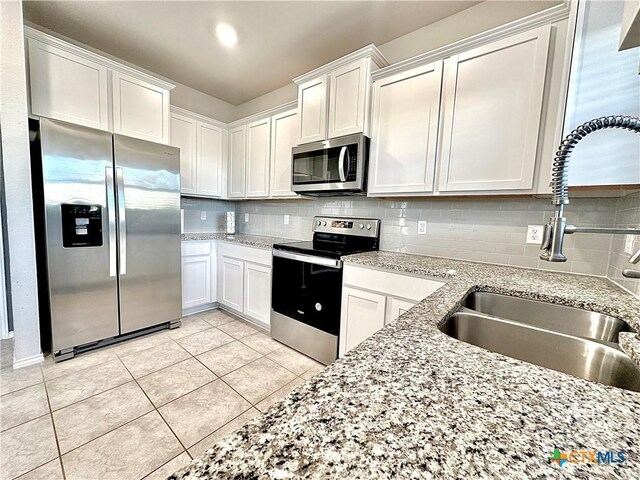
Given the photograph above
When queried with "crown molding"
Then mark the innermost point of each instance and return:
(196, 116)
(84, 52)
(550, 15)
(370, 51)
(264, 114)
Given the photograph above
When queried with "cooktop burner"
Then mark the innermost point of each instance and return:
(336, 237)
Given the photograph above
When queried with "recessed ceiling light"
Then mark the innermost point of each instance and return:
(226, 34)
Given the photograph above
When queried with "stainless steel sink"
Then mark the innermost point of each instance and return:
(558, 318)
(596, 360)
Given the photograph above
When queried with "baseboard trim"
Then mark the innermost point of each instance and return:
(27, 362)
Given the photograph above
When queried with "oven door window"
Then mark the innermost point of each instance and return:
(331, 165)
(307, 292)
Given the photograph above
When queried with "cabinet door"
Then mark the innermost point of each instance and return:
(209, 160)
(67, 87)
(312, 110)
(258, 153)
(283, 139)
(231, 283)
(406, 109)
(140, 109)
(395, 308)
(183, 136)
(237, 148)
(363, 314)
(348, 98)
(196, 280)
(257, 292)
(492, 107)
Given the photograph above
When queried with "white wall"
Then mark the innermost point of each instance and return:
(17, 184)
(474, 20)
(198, 102)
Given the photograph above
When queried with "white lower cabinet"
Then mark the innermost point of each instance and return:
(244, 281)
(395, 308)
(198, 274)
(257, 292)
(363, 313)
(374, 298)
(231, 283)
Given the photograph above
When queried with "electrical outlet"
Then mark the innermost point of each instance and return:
(422, 227)
(246, 217)
(286, 219)
(628, 245)
(534, 234)
(203, 215)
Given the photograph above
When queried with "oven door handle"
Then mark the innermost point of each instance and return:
(325, 262)
(341, 170)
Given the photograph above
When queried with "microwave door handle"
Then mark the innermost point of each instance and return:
(343, 154)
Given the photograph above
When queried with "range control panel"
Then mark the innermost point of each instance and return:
(361, 227)
(81, 225)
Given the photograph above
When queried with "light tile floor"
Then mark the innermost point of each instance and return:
(143, 408)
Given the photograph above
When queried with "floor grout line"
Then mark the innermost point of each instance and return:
(55, 431)
(119, 357)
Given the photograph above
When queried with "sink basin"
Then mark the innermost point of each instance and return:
(535, 337)
(558, 318)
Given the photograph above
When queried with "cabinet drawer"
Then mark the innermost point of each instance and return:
(249, 254)
(190, 248)
(389, 283)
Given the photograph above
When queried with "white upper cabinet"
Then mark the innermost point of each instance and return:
(334, 100)
(258, 155)
(67, 86)
(183, 136)
(492, 104)
(140, 109)
(209, 159)
(312, 110)
(283, 138)
(404, 131)
(348, 97)
(236, 170)
(73, 84)
(201, 143)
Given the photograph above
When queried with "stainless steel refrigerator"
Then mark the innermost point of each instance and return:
(111, 208)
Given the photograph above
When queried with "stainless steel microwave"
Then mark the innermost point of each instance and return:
(333, 167)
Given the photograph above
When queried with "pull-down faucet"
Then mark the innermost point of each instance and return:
(554, 231)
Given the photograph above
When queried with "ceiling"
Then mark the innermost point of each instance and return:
(277, 40)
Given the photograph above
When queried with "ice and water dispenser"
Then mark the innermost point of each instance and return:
(81, 225)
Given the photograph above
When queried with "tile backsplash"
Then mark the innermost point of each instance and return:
(627, 215)
(214, 213)
(488, 230)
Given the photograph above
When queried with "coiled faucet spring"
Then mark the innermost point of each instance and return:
(559, 179)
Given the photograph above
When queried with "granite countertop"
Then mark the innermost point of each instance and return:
(411, 402)
(257, 241)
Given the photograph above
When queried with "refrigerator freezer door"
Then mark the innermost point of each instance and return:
(148, 197)
(81, 254)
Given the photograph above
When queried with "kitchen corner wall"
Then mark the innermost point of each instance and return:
(488, 230)
(214, 212)
(627, 215)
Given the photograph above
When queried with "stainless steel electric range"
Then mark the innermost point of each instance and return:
(307, 284)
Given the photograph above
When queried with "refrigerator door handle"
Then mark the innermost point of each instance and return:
(122, 222)
(111, 216)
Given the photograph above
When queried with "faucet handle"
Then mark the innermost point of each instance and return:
(635, 258)
(546, 236)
